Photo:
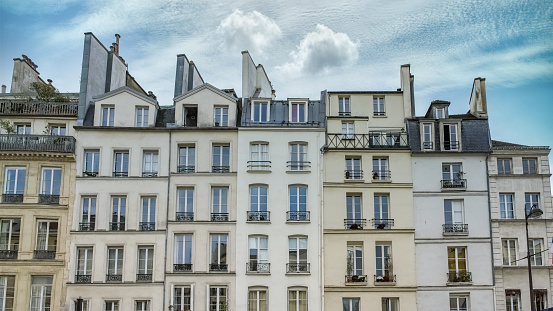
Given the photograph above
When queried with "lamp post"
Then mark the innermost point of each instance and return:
(532, 213)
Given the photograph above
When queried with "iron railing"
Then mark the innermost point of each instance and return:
(298, 216)
(454, 184)
(48, 199)
(44, 254)
(83, 278)
(297, 267)
(356, 278)
(258, 267)
(382, 223)
(218, 267)
(144, 277)
(259, 165)
(459, 277)
(86, 226)
(428, 145)
(25, 107)
(387, 278)
(353, 174)
(298, 165)
(114, 277)
(147, 226)
(382, 175)
(90, 174)
(456, 228)
(117, 226)
(182, 267)
(12, 198)
(46, 143)
(259, 216)
(184, 216)
(185, 169)
(219, 217)
(344, 113)
(149, 174)
(120, 174)
(220, 169)
(451, 145)
(355, 224)
(8, 254)
(392, 140)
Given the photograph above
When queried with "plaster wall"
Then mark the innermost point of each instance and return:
(479, 299)
(23, 76)
(118, 73)
(39, 125)
(125, 104)
(205, 100)
(361, 105)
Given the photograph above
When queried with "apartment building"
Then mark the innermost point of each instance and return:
(519, 178)
(368, 227)
(37, 168)
(278, 198)
(450, 195)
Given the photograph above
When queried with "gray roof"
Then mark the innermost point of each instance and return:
(506, 145)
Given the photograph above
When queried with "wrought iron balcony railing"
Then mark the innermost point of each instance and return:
(182, 267)
(459, 277)
(147, 226)
(297, 267)
(259, 216)
(149, 174)
(451, 145)
(428, 145)
(258, 267)
(48, 199)
(12, 198)
(344, 113)
(356, 278)
(120, 174)
(25, 107)
(218, 267)
(87, 226)
(454, 184)
(382, 175)
(382, 223)
(355, 224)
(456, 229)
(144, 277)
(44, 254)
(373, 140)
(353, 174)
(41, 143)
(8, 254)
(117, 226)
(387, 278)
(298, 216)
(90, 174)
(184, 216)
(298, 165)
(114, 278)
(259, 165)
(185, 169)
(220, 169)
(83, 278)
(219, 216)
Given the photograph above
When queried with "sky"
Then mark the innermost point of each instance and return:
(309, 46)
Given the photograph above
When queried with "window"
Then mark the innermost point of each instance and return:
(14, 187)
(221, 116)
(150, 165)
(190, 116)
(512, 299)
(85, 255)
(298, 157)
(298, 112)
(259, 254)
(354, 261)
(51, 181)
(297, 300)
(115, 264)
(536, 248)
(384, 265)
(378, 106)
(260, 112)
(380, 169)
(504, 166)
(56, 129)
(46, 239)
(451, 140)
(298, 203)
(118, 212)
(218, 252)
(7, 292)
(141, 116)
(142, 305)
(506, 206)
(183, 252)
(182, 298)
(148, 222)
(531, 200)
(457, 264)
(390, 304)
(120, 164)
(91, 162)
(540, 298)
(257, 300)
(186, 159)
(427, 141)
(145, 263)
(509, 252)
(353, 212)
(458, 303)
(112, 305)
(258, 204)
(297, 255)
(343, 106)
(85, 305)
(41, 293)
(382, 211)
(108, 112)
(219, 211)
(348, 130)
(353, 168)
(439, 112)
(23, 129)
(259, 157)
(221, 157)
(350, 304)
(88, 219)
(218, 298)
(452, 175)
(185, 204)
(529, 166)
(9, 237)
(454, 216)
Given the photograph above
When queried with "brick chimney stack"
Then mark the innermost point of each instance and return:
(117, 36)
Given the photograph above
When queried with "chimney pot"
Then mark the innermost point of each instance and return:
(3, 88)
(50, 81)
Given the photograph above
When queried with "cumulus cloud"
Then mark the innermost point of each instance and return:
(321, 51)
(248, 31)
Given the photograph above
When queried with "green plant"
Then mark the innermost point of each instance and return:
(47, 93)
(7, 126)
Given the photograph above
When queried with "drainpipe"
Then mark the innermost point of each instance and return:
(321, 218)
(167, 223)
(491, 239)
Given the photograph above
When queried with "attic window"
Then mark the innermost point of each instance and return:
(190, 116)
(439, 112)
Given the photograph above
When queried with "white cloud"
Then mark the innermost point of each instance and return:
(322, 50)
(28, 7)
(248, 31)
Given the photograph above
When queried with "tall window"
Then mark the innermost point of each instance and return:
(185, 204)
(221, 116)
(512, 299)
(115, 264)
(221, 158)
(219, 198)
(355, 260)
(343, 106)
(56, 129)
(536, 248)
(540, 297)
(218, 298)
(182, 298)
(259, 254)
(121, 164)
(141, 116)
(108, 112)
(187, 159)
(14, 186)
(298, 157)
(348, 130)
(457, 264)
(384, 271)
(257, 300)
(148, 214)
(378, 106)
(23, 129)
(41, 293)
(298, 203)
(297, 300)
(85, 256)
(9, 235)
(298, 112)
(88, 218)
(91, 162)
(260, 112)
(142, 305)
(150, 165)
(531, 200)
(51, 181)
(46, 237)
(381, 211)
(258, 198)
(145, 263)
(259, 157)
(350, 304)
(183, 252)
(427, 141)
(380, 169)
(391, 304)
(452, 175)
(297, 254)
(218, 252)
(353, 168)
(454, 216)
(506, 206)
(118, 213)
(503, 166)
(509, 252)
(440, 112)
(451, 139)
(529, 166)
(458, 303)
(7, 292)
(353, 211)
(112, 305)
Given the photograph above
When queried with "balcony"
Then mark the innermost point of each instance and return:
(301, 267)
(39, 143)
(373, 140)
(456, 229)
(114, 278)
(144, 277)
(147, 226)
(298, 216)
(298, 166)
(382, 223)
(344, 113)
(222, 267)
(382, 175)
(219, 216)
(386, 279)
(186, 169)
(12, 198)
(427, 145)
(36, 108)
(149, 174)
(454, 184)
(8, 255)
(48, 199)
(184, 216)
(116, 226)
(44, 254)
(83, 279)
(353, 174)
(86, 226)
(356, 279)
(259, 216)
(259, 165)
(90, 174)
(355, 224)
(451, 145)
(257, 267)
(459, 278)
(120, 174)
(182, 267)
(220, 169)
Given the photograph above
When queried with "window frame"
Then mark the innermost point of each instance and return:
(220, 151)
(13, 234)
(58, 129)
(527, 166)
(537, 253)
(390, 304)
(148, 214)
(7, 292)
(298, 105)
(183, 303)
(94, 156)
(508, 251)
(45, 292)
(108, 115)
(25, 126)
(142, 116)
(220, 114)
(458, 305)
(297, 299)
(449, 144)
(512, 300)
(186, 161)
(118, 260)
(218, 297)
(349, 303)
(87, 261)
(348, 130)
(258, 117)
(344, 106)
(506, 207)
(145, 263)
(259, 156)
(427, 144)
(222, 254)
(183, 248)
(379, 106)
(118, 211)
(217, 204)
(381, 168)
(142, 305)
(119, 163)
(150, 158)
(458, 259)
(301, 253)
(48, 234)
(90, 215)
(531, 199)
(16, 181)
(299, 160)
(50, 190)
(503, 170)
(260, 303)
(354, 257)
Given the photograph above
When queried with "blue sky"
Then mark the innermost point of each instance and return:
(309, 46)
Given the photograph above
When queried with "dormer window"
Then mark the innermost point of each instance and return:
(379, 109)
(343, 106)
(451, 137)
(190, 116)
(141, 116)
(221, 116)
(439, 112)
(298, 112)
(427, 138)
(108, 113)
(260, 112)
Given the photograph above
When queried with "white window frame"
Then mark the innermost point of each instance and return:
(506, 206)
(530, 199)
(142, 115)
(185, 200)
(188, 158)
(259, 156)
(259, 205)
(427, 136)
(458, 259)
(384, 260)
(297, 299)
(260, 244)
(453, 137)
(183, 246)
(118, 209)
(47, 185)
(503, 170)
(513, 302)
(259, 116)
(390, 304)
(218, 298)
(58, 129)
(91, 209)
(117, 259)
(108, 115)
(344, 106)
(142, 305)
(509, 252)
(297, 106)
(297, 206)
(221, 116)
(85, 266)
(18, 170)
(183, 304)
(44, 291)
(536, 248)
(298, 156)
(13, 233)
(457, 298)
(7, 286)
(527, 166)
(257, 300)
(145, 264)
(23, 128)
(150, 162)
(111, 305)
(91, 160)
(457, 212)
(218, 239)
(220, 152)
(349, 303)
(150, 203)
(439, 112)
(381, 168)
(219, 199)
(381, 206)
(379, 106)
(355, 256)
(119, 164)
(348, 130)
(47, 235)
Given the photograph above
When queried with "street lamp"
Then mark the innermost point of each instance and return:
(532, 213)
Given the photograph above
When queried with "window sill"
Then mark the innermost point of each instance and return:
(354, 180)
(356, 283)
(298, 171)
(258, 221)
(259, 171)
(458, 283)
(384, 283)
(382, 180)
(380, 116)
(298, 273)
(297, 221)
(456, 233)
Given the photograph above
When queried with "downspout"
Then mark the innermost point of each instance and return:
(491, 236)
(321, 218)
(167, 222)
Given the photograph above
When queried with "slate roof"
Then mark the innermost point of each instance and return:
(497, 144)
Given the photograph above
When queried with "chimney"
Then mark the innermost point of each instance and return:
(3, 88)
(407, 80)
(117, 36)
(478, 103)
(151, 95)
(50, 81)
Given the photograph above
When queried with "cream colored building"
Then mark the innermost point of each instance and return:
(368, 229)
